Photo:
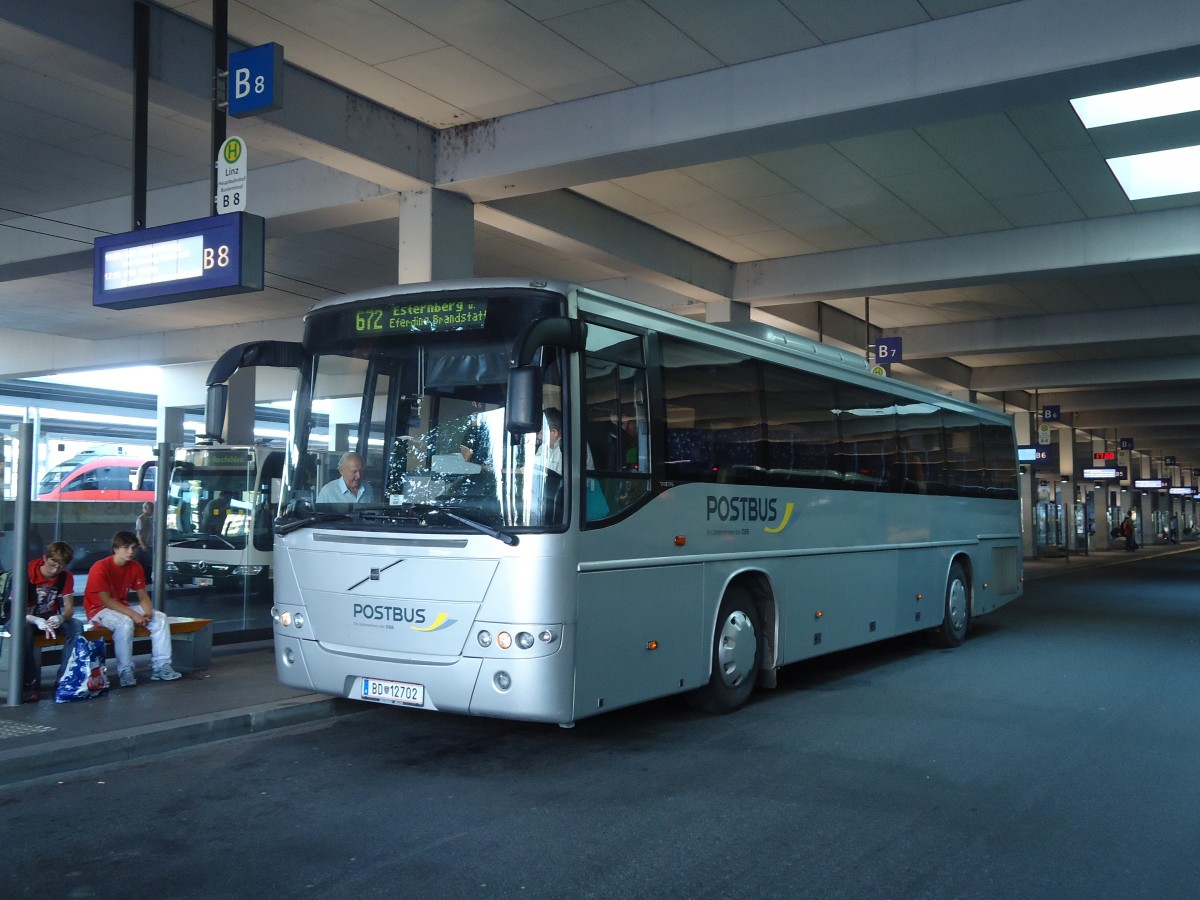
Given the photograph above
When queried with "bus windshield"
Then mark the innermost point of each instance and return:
(209, 498)
(401, 419)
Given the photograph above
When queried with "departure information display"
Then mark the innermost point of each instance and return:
(416, 318)
(181, 261)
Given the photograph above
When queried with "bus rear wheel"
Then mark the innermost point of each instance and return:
(957, 617)
(736, 656)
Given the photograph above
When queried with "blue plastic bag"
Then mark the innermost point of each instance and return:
(86, 675)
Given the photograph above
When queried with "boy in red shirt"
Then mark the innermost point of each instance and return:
(49, 604)
(106, 601)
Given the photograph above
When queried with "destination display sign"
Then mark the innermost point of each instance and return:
(416, 318)
(1152, 484)
(1103, 474)
(223, 458)
(181, 261)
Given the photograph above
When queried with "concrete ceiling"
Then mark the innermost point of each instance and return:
(797, 156)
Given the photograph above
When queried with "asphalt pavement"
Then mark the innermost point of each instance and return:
(240, 695)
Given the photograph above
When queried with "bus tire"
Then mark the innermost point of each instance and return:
(737, 651)
(957, 614)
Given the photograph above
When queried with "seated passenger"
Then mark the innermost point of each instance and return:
(106, 601)
(349, 488)
(50, 602)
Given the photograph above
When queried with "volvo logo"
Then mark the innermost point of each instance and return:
(374, 574)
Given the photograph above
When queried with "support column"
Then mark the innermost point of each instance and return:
(437, 236)
(1023, 425)
(727, 311)
(170, 425)
(1100, 500)
(1146, 505)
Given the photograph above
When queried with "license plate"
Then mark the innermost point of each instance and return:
(202, 582)
(400, 692)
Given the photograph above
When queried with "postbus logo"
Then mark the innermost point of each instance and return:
(390, 616)
(749, 510)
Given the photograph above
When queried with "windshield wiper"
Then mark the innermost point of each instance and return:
(503, 536)
(289, 527)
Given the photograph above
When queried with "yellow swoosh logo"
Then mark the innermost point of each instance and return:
(787, 515)
(439, 622)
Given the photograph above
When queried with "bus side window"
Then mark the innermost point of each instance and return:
(615, 424)
(964, 455)
(714, 414)
(999, 458)
(802, 442)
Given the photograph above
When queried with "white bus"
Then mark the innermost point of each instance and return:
(220, 505)
(577, 503)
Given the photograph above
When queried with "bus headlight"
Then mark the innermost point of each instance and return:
(502, 681)
(514, 639)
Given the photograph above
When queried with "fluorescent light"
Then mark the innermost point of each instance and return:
(1150, 102)
(1158, 174)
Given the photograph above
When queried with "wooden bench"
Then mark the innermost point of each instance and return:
(191, 643)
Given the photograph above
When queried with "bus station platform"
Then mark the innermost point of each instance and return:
(239, 695)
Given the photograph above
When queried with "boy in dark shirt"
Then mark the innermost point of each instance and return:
(50, 603)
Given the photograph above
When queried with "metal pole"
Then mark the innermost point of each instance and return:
(867, 327)
(20, 562)
(141, 110)
(220, 65)
(161, 480)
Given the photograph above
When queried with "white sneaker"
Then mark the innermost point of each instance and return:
(127, 678)
(164, 673)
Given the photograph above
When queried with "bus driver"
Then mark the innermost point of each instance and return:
(349, 486)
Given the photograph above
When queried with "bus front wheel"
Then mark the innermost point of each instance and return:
(736, 656)
(957, 617)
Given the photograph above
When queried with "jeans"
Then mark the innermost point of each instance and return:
(68, 631)
(122, 628)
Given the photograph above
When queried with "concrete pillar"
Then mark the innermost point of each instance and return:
(1066, 487)
(1100, 500)
(437, 236)
(1023, 425)
(170, 425)
(727, 311)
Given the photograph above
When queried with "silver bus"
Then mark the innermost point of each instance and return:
(572, 503)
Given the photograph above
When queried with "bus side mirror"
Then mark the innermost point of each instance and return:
(144, 479)
(523, 409)
(214, 411)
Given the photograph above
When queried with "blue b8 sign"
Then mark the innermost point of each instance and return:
(255, 80)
